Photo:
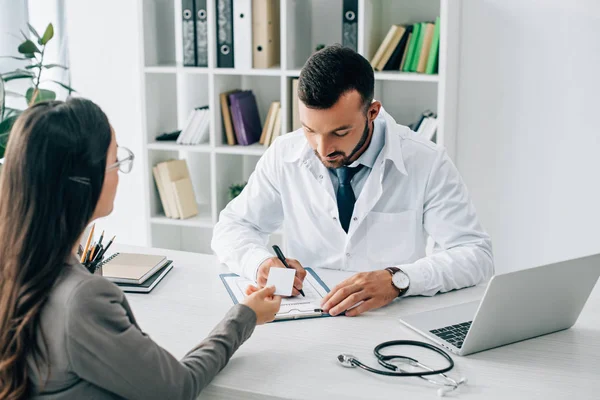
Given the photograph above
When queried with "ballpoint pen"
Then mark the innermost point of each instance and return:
(282, 259)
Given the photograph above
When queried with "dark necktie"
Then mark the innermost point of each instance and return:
(345, 194)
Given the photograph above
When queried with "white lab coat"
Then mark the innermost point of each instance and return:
(414, 190)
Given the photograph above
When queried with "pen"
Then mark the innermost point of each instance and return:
(106, 248)
(101, 237)
(282, 259)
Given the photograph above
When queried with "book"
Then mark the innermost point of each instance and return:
(131, 268)
(411, 50)
(185, 198)
(291, 307)
(432, 59)
(406, 50)
(270, 122)
(414, 63)
(383, 46)
(265, 130)
(150, 283)
(427, 39)
(246, 120)
(389, 50)
(393, 63)
(276, 131)
(226, 114)
(161, 191)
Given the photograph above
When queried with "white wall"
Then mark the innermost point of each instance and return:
(528, 132)
(105, 67)
(13, 18)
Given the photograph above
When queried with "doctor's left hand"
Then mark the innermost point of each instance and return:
(374, 289)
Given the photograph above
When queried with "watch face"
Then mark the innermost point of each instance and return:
(400, 280)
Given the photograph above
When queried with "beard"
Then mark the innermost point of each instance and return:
(345, 159)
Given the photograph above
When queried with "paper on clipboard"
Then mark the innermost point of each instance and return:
(291, 307)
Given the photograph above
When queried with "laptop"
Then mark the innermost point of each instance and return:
(516, 306)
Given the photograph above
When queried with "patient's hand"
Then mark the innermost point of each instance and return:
(374, 289)
(263, 272)
(264, 304)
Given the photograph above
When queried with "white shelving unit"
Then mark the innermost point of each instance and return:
(171, 91)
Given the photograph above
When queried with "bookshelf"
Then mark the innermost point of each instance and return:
(170, 91)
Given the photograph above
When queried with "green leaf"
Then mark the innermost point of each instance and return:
(15, 77)
(49, 66)
(70, 89)
(32, 29)
(28, 47)
(48, 34)
(42, 95)
(32, 66)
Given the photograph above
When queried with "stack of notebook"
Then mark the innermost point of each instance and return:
(135, 272)
(241, 120)
(175, 189)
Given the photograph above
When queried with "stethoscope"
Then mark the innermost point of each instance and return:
(449, 384)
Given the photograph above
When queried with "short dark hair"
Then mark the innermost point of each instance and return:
(332, 72)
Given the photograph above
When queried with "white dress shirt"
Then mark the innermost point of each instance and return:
(413, 191)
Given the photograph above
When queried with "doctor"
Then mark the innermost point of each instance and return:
(355, 191)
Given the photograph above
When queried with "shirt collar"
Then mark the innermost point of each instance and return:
(390, 137)
(370, 155)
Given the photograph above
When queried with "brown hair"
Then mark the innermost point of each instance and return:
(49, 187)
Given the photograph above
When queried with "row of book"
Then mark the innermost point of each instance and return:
(247, 33)
(409, 48)
(197, 127)
(175, 189)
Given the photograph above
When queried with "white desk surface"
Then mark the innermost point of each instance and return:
(297, 359)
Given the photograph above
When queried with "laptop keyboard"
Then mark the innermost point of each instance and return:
(453, 334)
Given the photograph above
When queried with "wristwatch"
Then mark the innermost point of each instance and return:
(400, 280)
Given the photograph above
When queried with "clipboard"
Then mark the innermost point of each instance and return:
(291, 308)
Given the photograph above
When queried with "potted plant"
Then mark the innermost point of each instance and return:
(29, 51)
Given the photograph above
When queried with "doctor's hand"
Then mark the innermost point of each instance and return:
(374, 289)
(263, 272)
(264, 304)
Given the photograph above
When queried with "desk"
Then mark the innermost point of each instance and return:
(297, 359)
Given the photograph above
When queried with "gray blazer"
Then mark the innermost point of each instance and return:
(97, 350)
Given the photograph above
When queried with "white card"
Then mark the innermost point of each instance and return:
(282, 279)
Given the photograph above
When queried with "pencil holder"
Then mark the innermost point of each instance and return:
(95, 267)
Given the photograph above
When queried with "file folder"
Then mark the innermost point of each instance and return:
(225, 34)
(201, 34)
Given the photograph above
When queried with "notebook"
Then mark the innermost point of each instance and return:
(150, 283)
(245, 117)
(131, 268)
(291, 308)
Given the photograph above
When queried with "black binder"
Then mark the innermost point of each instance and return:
(201, 34)
(225, 34)
(350, 24)
(188, 33)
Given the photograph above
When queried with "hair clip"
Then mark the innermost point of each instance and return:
(80, 179)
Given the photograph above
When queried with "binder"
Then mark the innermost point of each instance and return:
(225, 34)
(242, 34)
(350, 24)
(188, 34)
(265, 33)
(201, 34)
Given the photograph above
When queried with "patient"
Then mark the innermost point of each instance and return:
(65, 333)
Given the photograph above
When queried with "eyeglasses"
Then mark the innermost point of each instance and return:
(124, 162)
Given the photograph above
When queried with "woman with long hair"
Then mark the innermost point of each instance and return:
(65, 333)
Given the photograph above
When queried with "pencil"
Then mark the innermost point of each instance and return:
(87, 244)
(94, 249)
